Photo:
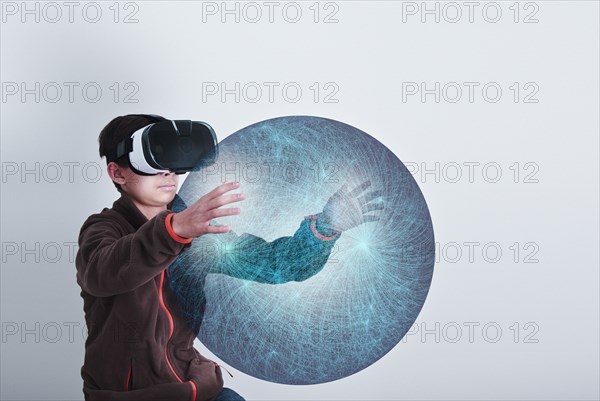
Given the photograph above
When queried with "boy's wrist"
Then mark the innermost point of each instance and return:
(321, 229)
(323, 226)
(174, 228)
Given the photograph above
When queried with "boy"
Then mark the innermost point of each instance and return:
(139, 346)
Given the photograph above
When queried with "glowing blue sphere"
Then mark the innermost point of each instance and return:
(275, 301)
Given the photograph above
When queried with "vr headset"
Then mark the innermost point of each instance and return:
(176, 146)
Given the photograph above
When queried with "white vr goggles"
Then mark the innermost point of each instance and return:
(176, 146)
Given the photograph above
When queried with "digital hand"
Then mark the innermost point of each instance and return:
(345, 209)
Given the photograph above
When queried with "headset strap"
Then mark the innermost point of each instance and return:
(126, 146)
(123, 148)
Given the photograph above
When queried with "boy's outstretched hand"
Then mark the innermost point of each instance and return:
(345, 209)
(195, 220)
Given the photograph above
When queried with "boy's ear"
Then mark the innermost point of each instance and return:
(115, 172)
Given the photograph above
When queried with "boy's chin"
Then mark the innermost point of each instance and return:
(165, 197)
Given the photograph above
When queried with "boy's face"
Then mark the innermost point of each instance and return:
(148, 190)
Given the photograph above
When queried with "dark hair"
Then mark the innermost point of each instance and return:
(121, 128)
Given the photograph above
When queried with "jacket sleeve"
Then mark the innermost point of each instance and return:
(110, 263)
(289, 258)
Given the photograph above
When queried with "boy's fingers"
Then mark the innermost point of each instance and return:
(224, 200)
(217, 229)
(220, 190)
(230, 211)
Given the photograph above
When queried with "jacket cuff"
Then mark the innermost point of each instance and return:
(313, 227)
(176, 237)
(194, 390)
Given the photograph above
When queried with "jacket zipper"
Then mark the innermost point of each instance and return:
(128, 381)
(171, 329)
(171, 324)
